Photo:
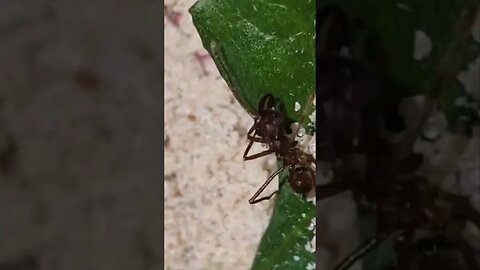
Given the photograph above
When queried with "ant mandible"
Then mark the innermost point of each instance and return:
(269, 128)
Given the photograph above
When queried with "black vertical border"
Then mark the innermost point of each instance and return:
(162, 131)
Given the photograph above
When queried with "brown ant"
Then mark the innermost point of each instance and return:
(270, 128)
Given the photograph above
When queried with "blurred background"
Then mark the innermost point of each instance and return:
(80, 135)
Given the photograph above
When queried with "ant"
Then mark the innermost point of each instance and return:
(270, 128)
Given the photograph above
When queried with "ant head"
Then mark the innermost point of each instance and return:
(267, 103)
(270, 121)
(301, 179)
(270, 124)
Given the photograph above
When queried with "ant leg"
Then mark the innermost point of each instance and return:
(252, 128)
(261, 154)
(257, 139)
(254, 199)
(252, 132)
(357, 254)
(263, 198)
(247, 150)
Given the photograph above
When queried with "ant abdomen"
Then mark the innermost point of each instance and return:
(301, 179)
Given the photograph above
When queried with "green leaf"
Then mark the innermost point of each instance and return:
(284, 243)
(260, 47)
(263, 46)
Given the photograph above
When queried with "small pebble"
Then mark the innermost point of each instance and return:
(297, 106)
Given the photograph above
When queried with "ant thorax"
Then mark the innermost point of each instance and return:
(306, 143)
